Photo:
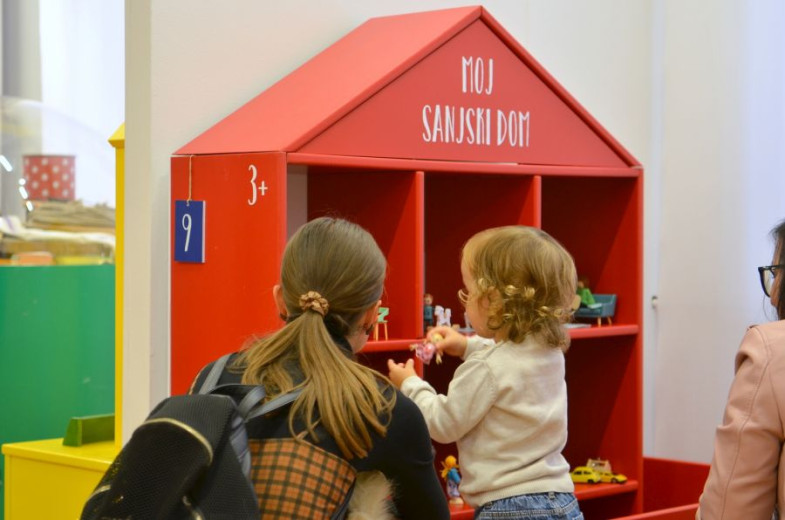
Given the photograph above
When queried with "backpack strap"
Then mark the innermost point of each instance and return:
(214, 375)
(274, 404)
(248, 404)
(251, 399)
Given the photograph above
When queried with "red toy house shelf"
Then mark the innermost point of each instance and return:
(424, 128)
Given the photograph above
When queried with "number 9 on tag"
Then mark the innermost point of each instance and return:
(189, 226)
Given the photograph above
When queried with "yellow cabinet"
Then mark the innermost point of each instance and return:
(44, 479)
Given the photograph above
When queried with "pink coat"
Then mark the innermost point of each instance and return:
(747, 476)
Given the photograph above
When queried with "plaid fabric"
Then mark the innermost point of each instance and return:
(297, 480)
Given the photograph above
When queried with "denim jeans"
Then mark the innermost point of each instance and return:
(536, 506)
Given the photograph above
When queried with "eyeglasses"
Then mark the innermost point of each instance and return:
(767, 274)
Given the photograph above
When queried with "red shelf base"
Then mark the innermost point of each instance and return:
(463, 512)
(604, 331)
(589, 491)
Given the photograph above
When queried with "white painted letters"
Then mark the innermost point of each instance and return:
(187, 228)
(473, 75)
(254, 188)
(513, 128)
(475, 125)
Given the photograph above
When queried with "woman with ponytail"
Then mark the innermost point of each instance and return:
(348, 419)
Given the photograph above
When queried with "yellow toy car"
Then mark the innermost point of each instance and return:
(585, 475)
(603, 468)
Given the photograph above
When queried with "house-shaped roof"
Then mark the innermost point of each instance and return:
(449, 85)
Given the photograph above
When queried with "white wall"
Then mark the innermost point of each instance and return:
(693, 89)
(723, 189)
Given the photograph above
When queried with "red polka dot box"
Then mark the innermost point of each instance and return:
(50, 177)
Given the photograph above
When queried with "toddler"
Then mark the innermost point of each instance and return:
(506, 406)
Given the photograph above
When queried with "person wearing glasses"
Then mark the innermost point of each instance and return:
(747, 475)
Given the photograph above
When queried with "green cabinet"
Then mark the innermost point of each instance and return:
(56, 349)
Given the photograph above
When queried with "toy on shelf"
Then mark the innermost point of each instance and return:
(585, 475)
(427, 312)
(606, 309)
(585, 295)
(603, 468)
(593, 306)
(442, 316)
(381, 319)
(426, 350)
(596, 471)
(452, 478)
(436, 315)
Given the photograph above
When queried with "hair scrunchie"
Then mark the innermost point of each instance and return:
(314, 301)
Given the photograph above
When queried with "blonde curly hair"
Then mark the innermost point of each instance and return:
(529, 281)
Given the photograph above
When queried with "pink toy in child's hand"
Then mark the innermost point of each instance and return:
(427, 349)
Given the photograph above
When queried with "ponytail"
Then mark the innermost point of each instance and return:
(332, 272)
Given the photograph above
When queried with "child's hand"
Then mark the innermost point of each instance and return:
(452, 342)
(400, 371)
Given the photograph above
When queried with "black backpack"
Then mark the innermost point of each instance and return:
(189, 459)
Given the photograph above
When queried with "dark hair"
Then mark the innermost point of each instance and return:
(779, 239)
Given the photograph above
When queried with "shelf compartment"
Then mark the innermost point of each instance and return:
(457, 207)
(389, 205)
(599, 221)
(603, 375)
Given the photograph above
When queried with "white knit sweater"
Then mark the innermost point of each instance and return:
(506, 408)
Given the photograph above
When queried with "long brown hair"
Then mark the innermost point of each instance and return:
(779, 240)
(342, 262)
(528, 278)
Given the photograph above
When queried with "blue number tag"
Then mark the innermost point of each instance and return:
(189, 225)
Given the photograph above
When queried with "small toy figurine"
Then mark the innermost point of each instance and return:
(427, 312)
(453, 478)
(442, 316)
(587, 298)
(427, 349)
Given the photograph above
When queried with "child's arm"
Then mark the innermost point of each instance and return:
(471, 393)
